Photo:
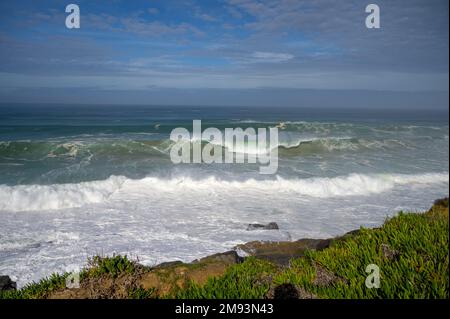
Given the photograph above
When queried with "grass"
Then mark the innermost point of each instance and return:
(97, 267)
(246, 280)
(420, 269)
(141, 293)
(413, 264)
(112, 266)
(37, 290)
(411, 251)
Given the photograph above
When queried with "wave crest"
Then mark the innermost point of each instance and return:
(61, 196)
(57, 196)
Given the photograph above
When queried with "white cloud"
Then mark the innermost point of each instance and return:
(271, 57)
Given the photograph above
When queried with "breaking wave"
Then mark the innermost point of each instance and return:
(61, 196)
(57, 196)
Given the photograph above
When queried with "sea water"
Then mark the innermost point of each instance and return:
(76, 181)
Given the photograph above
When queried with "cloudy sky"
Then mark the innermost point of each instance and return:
(226, 52)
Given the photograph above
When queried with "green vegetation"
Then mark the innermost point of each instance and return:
(411, 251)
(97, 266)
(113, 266)
(141, 293)
(37, 290)
(246, 280)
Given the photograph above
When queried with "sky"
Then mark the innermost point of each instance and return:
(226, 52)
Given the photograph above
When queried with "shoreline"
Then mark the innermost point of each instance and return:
(118, 277)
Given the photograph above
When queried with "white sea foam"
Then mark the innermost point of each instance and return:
(350, 185)
(61, 196)
(57, 196)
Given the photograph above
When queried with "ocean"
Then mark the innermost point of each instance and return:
(76, 181)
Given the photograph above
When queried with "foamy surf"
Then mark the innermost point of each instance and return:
(63, 196)
(341, 186)
(107, 186)
(58, 196)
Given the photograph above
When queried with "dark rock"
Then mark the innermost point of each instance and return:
(7, 284)
(441, 202)
(289, 291)
(286, 291)
(282, 252)
(230, 258)
(352, 233)
(269, 226)
(315, 244)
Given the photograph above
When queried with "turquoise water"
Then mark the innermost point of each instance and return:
(78, 180)
(63, 144)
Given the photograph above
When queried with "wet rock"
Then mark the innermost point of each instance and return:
(269, 226)
(7, 284)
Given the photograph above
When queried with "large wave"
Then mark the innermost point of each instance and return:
(287, 146)
(39, 150)
(57, 196)
(61, 196)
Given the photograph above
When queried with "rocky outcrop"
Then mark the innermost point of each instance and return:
(162, 279)
(443, 202)
(269, 226)
(281, 252)
(7, 284)
(229, 258)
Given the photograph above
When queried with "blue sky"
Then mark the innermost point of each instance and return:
(194, 51)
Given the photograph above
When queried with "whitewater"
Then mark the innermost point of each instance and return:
(75, 182)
